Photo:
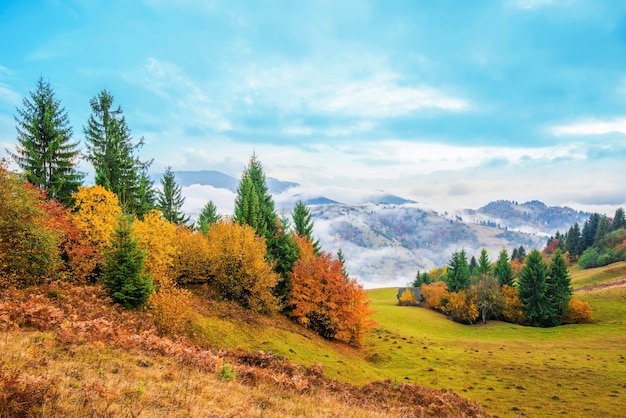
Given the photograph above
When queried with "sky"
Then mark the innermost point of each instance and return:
(450, 103)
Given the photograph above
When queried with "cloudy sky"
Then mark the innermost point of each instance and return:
(449, 103)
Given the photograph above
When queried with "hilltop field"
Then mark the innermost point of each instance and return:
(67, 351)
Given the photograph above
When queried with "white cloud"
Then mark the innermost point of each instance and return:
(591, 127)
(196, 196)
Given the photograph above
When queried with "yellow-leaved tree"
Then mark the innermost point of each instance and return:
(96, 215)
(191, 252)
(237, 268)
(156, 236)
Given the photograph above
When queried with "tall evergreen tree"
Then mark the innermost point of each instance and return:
(303, 224)
(45, 150)
(503, 270)
(111, 150)
(574, 241)
(559, 284)
(589, 231)
(342, 260)
(532, 290)
(458, 272)
(601, 231)
(208, 216)
(123, 271)
(254, 206)
(484, 265)
(472, 265)
(619, 220)
(170, 200)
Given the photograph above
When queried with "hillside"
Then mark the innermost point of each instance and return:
(67, 351)
(387, 244)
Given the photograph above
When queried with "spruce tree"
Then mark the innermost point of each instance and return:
(111, 150)
(601, 231)
(45, 150)
(574, 241)
(170, 200)
(123, 268)
(559, 284)
(503, 270)
(532, 290)
(619, 220)
(303, 224)
(458, 272)
(484, 266)
(208, 216)
(472, 265)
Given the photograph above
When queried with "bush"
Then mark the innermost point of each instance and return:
(578, 312)
(462, 307)
(170, 306)
(407, 298)
(512, 311)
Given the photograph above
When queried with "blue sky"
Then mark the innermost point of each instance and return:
(450, 103)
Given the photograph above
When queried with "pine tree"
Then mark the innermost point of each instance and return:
(472, 265)
(303, 224)
(484, 266)
(559, 284)
(574, 241)
(254, 206)
(170, 200)
(342, 260)
(521, 253)
(208, 216)
(123, 270)
(532, 289)
(503, 270)
(619, 220)
(601, 231)
(45, 150)
(589, 231)
(458, 272)
(111, 150)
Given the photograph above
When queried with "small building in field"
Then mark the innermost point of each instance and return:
(409, 296)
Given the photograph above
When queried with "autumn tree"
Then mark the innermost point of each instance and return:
(303, 223)
(458, 272)
(123, 268)
(208, 216)
(112, 151)
(461, 306)
(513, 309)
(192, 256)
(45, 150)
(503, 271)
(28, 250)
(237, 269)
(532, 288)
(435, 295)
(323, 299)
(487, 295)
(156, 237)
(96, 213)
(170, 199)
(559, 285)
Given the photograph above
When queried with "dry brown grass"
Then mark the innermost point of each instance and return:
(67, 351)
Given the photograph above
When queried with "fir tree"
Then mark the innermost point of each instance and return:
(342, 260)
(559, 287)
(170, 200)
(574, 241)
(619, 220)
(589, 231)
(123, 269)
(532, 290)
(601, 231)
(303, 224)
(458, 272)
(503, 271)
(484, 266)
(45, 151)
(111, 150)
(208, 216)
(472, 265)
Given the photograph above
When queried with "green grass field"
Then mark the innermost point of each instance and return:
(572, 370)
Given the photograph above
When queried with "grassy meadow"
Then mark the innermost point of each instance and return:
(570, 370)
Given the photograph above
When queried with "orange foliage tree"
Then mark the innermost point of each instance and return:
(237, 269)
(325, 300)
(513, 309)
(96, 215)
(435, 295)
(28, 249)
(191, 254)
(578, 312)
(462, 306)
(156, 236)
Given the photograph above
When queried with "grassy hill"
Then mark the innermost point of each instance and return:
(67, 352)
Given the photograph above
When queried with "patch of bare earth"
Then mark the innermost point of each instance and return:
(611, 284)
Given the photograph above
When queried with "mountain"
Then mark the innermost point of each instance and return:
(221, 180)
(533, 216)
(387, 244)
